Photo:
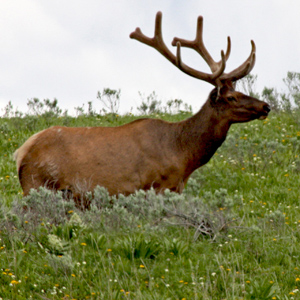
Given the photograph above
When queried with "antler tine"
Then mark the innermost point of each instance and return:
(228, 50)
(157, 29)
(188, 70)
(157, 43)
(220, 71)
(198, 45)
(211, 78)
(244, 69)
(192, 72)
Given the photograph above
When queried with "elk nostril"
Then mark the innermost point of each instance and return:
(267, 107)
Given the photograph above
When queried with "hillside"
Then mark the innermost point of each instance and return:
(233, 234)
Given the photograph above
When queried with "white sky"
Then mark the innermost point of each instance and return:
(69, 50)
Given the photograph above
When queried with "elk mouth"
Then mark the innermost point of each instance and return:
(263, 115)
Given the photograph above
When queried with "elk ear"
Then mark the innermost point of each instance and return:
(219, 93)
(214, 95)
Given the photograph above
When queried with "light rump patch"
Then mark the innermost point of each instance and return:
(20, 153)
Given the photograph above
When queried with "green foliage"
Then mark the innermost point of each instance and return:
(262, 290)
(271, 96)
(55, 245)
(96, 241)
(176, 247)
(277, 101)
(232, 234)
(47, 108)
(150, 104)
(137, 246)
(44, 205)
(110, 100)
(292, 82)
(247, 85)
(9, 111)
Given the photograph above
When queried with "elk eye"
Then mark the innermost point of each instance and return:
(231, 99)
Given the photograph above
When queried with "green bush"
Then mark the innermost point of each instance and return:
(232, 234)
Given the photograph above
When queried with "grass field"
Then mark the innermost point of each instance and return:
(233, 234)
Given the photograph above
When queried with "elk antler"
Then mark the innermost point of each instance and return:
(244, 69)
(157, 43)
(198, 45)
(218, 76)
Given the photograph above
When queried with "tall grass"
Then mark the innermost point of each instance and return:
(233, 234)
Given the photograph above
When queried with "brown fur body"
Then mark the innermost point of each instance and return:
(145, 153)
(142, 154)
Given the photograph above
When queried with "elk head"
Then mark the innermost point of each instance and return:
(230, 104)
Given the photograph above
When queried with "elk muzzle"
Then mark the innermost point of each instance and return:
(264, 111)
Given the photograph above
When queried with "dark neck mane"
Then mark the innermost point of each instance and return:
(201, 135)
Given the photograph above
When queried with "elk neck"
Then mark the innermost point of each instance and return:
(201, 135)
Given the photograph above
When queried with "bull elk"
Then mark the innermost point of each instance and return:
(147, 152)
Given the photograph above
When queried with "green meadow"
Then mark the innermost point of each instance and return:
(233, 234)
